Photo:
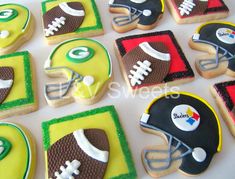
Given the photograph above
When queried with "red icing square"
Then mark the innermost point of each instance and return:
(231, 92)
(214, 3)
(177, 63)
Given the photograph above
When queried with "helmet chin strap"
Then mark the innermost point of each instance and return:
(211, 64)
(62, 88)
(134, 14)
(170, 151)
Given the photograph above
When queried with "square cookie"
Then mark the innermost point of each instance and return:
(65, 19)
(193, 11)
(92, 142)
(17, 87)
(153, 59)
(224, 94)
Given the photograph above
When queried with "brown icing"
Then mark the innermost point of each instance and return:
(233, 111)
(6, 73)
(66, 149)
(200, 8)
(159, 68)
(72, 23)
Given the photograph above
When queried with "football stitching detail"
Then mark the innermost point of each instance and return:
(55, 26)
(139, 72)
(67, 173)
(186, 7)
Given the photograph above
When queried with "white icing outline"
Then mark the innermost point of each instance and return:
(5, 83)
(73, 12)
(154, 53)
(55, 25)
(138, 1)
(139, 72)
(225, 39)
(28, 146)
(88, 148)
(8, 12)
(81, 55)
(67, 173)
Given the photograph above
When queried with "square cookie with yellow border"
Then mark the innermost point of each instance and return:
(65, 19)
(17, 88)
(90, 144)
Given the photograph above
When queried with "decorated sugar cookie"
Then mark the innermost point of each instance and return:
(17, 86)
(218, 40)
(140, 14)
(87, 145)
(191, 129)
(16, 27)
(193, 11)
(65, 19)
(17, 152)
(87, 68)
(153, 59)
(224, 94)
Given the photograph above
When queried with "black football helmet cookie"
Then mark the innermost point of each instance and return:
(221, 36)
(146, 12)
(191, 128)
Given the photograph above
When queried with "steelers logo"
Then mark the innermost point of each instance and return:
(185, 117)
(226, 35)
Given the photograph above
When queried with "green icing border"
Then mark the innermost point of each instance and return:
(84, 29)
(124, 145)
(28, 17)
(76, 39)
(26, 141)
(28, 83)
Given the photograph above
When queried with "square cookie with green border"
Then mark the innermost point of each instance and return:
(65, 19)
(80, 140)
(17, 87)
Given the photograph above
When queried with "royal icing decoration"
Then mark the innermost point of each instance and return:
(4, 34)
(15, 144)
(185, 117)
(187, 137)
(97, 148)
(140, 12)
(5, 147)
(141, 69)
(220, 36)
(152, 59)
(69, 171)
(78, 63)
(89, 149)
(224, 94)
(186, 7)
(70, 19)
(15, 21)
(55, 26)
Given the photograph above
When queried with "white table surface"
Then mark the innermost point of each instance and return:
(129, 108)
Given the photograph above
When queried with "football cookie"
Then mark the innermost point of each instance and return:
(91, 144)
(224, 94)
(192, 132)
(17, 86)
(153, 59)
(17, 152)
(65, 19)
(218, 40)
(87, 67)
(140, 14)
(193, 11)
(16, 27)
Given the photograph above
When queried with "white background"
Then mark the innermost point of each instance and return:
(129, 109)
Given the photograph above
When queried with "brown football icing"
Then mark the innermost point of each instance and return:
(6, 73)
(67, 149)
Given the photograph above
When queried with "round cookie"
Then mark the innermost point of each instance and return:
(17, 152)
(16, 27)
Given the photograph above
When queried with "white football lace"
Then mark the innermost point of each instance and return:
(67, 173)
(186, 7)
(55, 26)
(140, 72)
